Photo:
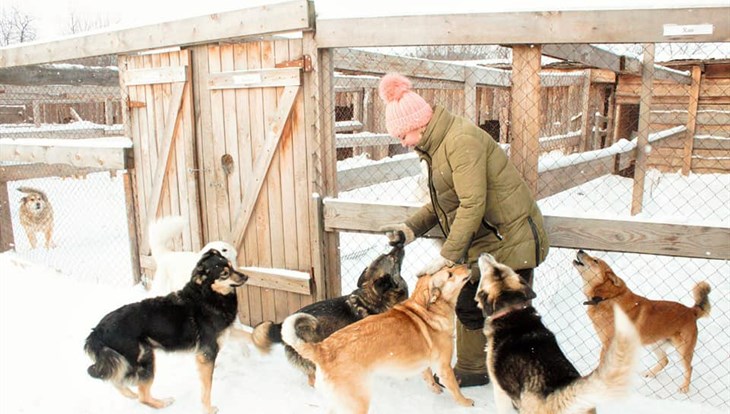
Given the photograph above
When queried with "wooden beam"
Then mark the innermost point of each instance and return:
(155, 76)
(525, 111)
(262, 163)
(39, 170)
(642, 146)
(586, 26)
(373, 62)
(694, 98)
(631, 236)
(258, 78)
(165, 157)
(254, 21)
(59, 75)
(601, 58)
(278, 279)
(51, 151)
(585, 120)
(377, 173)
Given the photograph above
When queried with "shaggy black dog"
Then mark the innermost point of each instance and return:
(122, 344)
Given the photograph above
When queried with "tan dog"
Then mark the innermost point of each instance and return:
(659, 322)
(36, 215)
(415, 336)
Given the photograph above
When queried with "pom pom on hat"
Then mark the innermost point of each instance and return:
(393, 86)
(405, 110)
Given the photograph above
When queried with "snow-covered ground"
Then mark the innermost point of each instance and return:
(46, 311)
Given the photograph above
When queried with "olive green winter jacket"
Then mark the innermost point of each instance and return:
(478, 197)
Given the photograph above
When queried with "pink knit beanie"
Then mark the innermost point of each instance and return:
(405, 110)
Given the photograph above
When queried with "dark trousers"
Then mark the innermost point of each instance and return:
(466, 306)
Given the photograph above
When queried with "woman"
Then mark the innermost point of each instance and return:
(478, 199)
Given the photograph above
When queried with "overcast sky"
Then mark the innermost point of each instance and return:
(52, 16)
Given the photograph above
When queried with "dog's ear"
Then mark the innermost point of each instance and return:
(529, 293)
(361, 279)
(200, 274)
(24, 200)
(612, 277)
(384, 283)
(434, 290)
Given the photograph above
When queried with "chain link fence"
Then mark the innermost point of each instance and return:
(72, 219)
(593, 110)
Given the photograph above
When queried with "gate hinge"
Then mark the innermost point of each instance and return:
(304, 62)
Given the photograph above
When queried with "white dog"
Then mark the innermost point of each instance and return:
(175, 268)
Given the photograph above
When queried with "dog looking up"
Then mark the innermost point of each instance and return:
(413, 337)
(173, 267)
(379, 288)
(660, 322)
(36, 216)
(527, 367)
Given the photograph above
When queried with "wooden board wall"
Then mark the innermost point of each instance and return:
(145, 123)
(235, 122)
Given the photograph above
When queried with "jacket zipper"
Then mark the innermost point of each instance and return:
(493, 229)
(432, 193)
(533, 227)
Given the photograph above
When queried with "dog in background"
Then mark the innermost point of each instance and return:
(660, 323)
(36, 216)
(527, 367)
(122, 345)
(379, 288)
(413, 337)
(173, 267)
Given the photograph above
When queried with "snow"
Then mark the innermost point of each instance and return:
(49, 300)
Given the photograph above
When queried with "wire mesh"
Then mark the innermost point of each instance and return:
(591, 114)
(68, 103)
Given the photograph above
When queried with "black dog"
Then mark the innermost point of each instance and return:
(379, 287)
(527, 367)
(122, 344)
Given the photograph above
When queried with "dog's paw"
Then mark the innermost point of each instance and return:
(210, 410)
(466, 402)
(684, 389)
(435, 388)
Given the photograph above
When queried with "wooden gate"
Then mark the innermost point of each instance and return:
(159, 118)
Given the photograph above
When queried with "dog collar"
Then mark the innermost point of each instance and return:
(594, 301)
(507, 311)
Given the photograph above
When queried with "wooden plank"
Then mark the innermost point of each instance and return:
(230, 179)
(705, 142)
(364, 140)
(7, 239)
(261, 78)
(632, 236)
(560, 179)
(602, 58)
(373, 62)
(53, 152)
(692, 119)
(587, 26)
(262, 163)
(585, 120)
(471, 111)
(132, 226)
(278, 279)
(647, 82)
(377, 173)
(679, 117)
(39, 170)
(525, 111)
(157, 75)
(271, 18)
(164, 158)
(60, 75)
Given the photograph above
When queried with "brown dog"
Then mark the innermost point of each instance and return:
(659, 322)
(36, 215)
(414, 336)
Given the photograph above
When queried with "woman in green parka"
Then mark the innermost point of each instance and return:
(478, 199)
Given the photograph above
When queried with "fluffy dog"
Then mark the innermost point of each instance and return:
(122, 345)
(174, 268)
(415, 336)
(379, 288)
(36, 216)
(659, 322)
(525, 363)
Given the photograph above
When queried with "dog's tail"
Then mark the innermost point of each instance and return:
(610, 380)
(300, 331)
(162, 231)
(108, 363)
(266, 334)
(701, 293)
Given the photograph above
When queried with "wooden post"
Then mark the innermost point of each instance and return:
(694, 97)
(36, 113)
(7, 240)
(108, 111)
(610, 133)
(131, 202)
(642, 144)
(525, 109)
(503, 125)
(585, 120)
(471, 110)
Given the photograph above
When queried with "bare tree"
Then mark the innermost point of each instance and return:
(16, 26)
(80, 24)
